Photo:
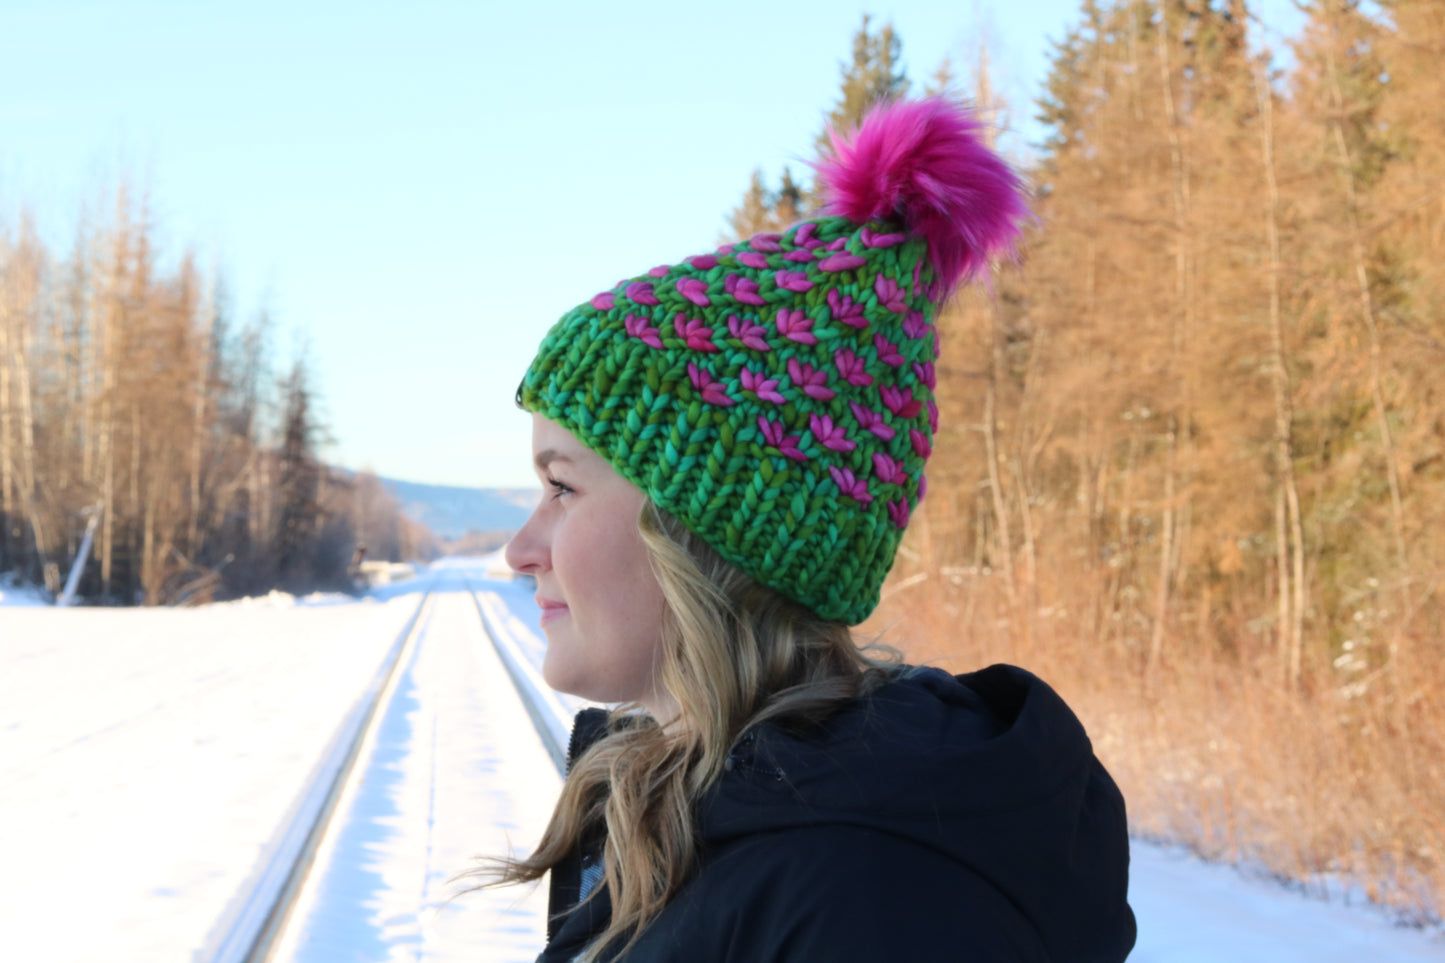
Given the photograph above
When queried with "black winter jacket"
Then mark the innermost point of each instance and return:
(939, 818)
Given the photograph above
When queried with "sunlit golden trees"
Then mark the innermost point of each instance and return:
(126, 392)
(1192, 458)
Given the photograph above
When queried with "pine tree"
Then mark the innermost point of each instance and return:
(942, 81)
(298, 482)
(1359, 398)
(874, 75)
(754, 214)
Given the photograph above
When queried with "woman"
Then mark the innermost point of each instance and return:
(731, 448)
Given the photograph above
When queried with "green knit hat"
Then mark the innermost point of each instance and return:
(777, 395)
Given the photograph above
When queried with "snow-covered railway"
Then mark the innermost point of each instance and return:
(264, 908)
(417, 784)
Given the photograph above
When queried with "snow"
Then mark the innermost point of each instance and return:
(15, 595)
(1190, 911)
(149, 760)
(148, 757)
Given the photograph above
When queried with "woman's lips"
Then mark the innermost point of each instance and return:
(551, 610)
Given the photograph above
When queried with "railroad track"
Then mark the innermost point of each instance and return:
(552, 719)
(263, 921)
(259, 918)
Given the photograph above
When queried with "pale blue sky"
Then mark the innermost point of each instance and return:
(418, 190)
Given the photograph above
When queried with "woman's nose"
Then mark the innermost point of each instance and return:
(526, 552)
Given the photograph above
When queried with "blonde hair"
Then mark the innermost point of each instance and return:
(735, 654)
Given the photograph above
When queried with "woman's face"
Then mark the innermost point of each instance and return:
(601, 604)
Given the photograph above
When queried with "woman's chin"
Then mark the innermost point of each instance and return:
(555, 673)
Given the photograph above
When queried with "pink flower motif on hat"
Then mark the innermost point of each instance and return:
(933, 416)
(850, 368)
(898, 511)
(842, 261)
(765, 242)
(773, 434)
(914, 326)
(712, 391)
(845, 310)
(640, 292)
(888, 470)
(726, 249)
(753, 259)
(743, 290)
(638, 327)
(813, 382)
(830, 435)
(751, 335)
(887, 351)
(926, 373)
(793, 281)
(855, 488)
(900, 401)
(695, 290)
(761, 385)
(837, 244)
(660, 271)
(870, 420)
(703, 262)
(922, 486)
(800, 255)
(603, 301)
(697, 335)
(890, 295)
(921, 447)
(803, 237)
(796, 326)
(881, 240)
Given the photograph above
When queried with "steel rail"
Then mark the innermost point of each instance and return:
(551, 719)
(249, 932)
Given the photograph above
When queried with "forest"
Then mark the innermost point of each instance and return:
(1191, 463)
(133, 404)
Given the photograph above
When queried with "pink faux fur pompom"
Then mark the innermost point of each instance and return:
(925, 162)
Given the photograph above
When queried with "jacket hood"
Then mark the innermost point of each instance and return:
(990, 768)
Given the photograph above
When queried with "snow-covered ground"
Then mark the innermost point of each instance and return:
(149, 757)
(12, 595)
(1190, 911)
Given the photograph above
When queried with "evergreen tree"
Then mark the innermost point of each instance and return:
(766, 210)
(1361, 372)
(873, 74)
(941, 83)
(299, 483)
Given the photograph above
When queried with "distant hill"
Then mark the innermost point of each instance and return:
(452, 512)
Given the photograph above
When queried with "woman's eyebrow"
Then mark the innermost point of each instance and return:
(545, 458)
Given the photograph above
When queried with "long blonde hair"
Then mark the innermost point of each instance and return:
(735, 654)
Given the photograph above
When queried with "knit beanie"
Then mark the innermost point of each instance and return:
(776, 396)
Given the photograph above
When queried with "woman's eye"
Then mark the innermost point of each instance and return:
(558, 488)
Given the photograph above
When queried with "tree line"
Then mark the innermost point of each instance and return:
(132, 403)
(1192, 448)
